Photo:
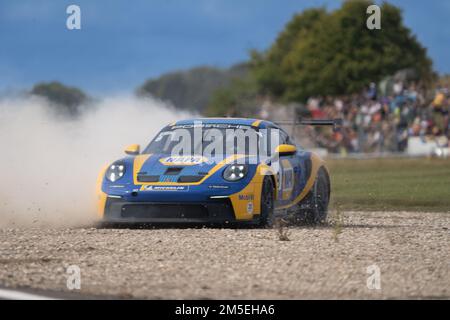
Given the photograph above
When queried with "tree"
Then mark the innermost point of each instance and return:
(269, 68)
(191, 89)
(240, 98)
(321, 53)
(65, 100)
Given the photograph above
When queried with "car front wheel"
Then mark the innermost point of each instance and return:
(267, 202)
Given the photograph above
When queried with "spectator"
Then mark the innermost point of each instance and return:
(374, 123)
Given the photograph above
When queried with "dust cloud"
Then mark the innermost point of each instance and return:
(49, 165)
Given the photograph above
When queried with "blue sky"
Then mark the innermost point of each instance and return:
(122, 43)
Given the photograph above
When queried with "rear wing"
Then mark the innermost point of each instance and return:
(336, 123)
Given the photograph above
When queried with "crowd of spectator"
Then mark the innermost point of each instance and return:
(375, 121)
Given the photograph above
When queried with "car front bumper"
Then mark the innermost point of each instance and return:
(214, 211)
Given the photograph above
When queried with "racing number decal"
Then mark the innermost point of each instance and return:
(286, 179)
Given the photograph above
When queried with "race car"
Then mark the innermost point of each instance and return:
(216, 170)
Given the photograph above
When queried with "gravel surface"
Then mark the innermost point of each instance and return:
(412, 251)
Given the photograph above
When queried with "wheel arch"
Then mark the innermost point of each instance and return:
(274, 183)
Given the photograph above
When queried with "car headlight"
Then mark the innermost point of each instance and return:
(235, 172)
(115, 171)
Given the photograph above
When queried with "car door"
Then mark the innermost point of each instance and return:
(288, 173)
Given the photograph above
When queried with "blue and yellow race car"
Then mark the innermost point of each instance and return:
(216, 170)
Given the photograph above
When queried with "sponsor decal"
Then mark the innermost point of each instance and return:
(218, 187)
(183, 160)
(250, 207)
(211, 125)
(166, 188)
(286, 179)
(246, 197)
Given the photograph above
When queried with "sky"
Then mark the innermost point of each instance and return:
(123, 43)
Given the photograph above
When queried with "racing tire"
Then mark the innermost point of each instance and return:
(314, 209)
(267, 203)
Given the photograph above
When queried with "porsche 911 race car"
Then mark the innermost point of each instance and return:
(216, 170)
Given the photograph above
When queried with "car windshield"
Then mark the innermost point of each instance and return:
(209, 140)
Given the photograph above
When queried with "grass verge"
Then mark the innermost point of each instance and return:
(391, 184)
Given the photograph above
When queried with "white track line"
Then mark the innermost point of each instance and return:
(17, 295)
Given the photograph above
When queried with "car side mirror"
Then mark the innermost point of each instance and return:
(286, 149)
(133, 149)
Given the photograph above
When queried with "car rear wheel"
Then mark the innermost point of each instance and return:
(267, 202)
(314, 209)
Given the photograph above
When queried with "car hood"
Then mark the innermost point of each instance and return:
(184, 169)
